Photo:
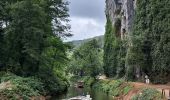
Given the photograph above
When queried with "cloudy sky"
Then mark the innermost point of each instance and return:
(87, 18)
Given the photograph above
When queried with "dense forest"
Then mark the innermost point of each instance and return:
(31, 46)
(145, 50)
(87, 60)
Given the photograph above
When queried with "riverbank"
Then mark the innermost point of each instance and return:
(13, 87)
(120, 89)
(116, 88)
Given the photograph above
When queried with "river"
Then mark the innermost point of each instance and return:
(73, 92)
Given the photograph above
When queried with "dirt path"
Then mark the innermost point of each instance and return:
(138, 86)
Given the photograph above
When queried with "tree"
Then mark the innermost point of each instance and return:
(3, 23)
(25, 37)
(54, 55)
(161, 44)
(1, 45)
(31, 33)
(57, 16)
(111, 49)
(87, 59)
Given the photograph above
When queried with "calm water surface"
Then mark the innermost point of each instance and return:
(73, 92)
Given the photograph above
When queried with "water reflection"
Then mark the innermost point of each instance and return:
(73, 91)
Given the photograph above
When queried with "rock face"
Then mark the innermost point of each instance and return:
(112, 7)
(124, 10)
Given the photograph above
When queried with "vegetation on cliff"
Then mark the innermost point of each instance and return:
(145, 50)
(150, 40)
(114, 51)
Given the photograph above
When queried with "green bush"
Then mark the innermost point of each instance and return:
(88, 80)
(75, 78)
(126, 89)
(21, 87)
(53, 83)
(115, 88)
(148, 94)
(101, 85)
(44, 83)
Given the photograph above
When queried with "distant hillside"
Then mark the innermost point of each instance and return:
(78, 43)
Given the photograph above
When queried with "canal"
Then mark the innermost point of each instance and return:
(74, 91)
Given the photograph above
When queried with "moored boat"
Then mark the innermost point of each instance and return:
(87, 97)
(80, 84)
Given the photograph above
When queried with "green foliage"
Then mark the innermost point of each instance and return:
(54, 56)
(150, 45)
(89, 81)
(21, 87)
(1, 41)
(121, 58)
(31, 44)
(74, 78)
(78, 43)
(27, 28)
(24, 38)
(114, 50)
(110, 50)
(161, 43)
(57, 11)
(148, 94)
(53, 82)
(126, 89)
(117, 26)
(146, 48)
(87, 59)
(115, 88)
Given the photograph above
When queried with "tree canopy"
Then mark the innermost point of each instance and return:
(31, 45)
(87, 59)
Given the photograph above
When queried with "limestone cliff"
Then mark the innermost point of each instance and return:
(124, 10)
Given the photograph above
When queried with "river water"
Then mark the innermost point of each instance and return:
(74, 91)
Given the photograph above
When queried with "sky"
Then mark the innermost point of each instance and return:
(87, 18)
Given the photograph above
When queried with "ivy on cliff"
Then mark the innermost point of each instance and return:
(114, 51)
(150, 50)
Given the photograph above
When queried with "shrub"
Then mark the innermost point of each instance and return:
(148, 94)
(88, 80)
(75, 78)
(115, 88)
(127, 89)
(53, 83)
(24, 88)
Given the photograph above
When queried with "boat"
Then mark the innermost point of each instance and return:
(87, 97)
(80, 84)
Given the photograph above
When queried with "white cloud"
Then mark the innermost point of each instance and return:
(83, 28)
(87, 18)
